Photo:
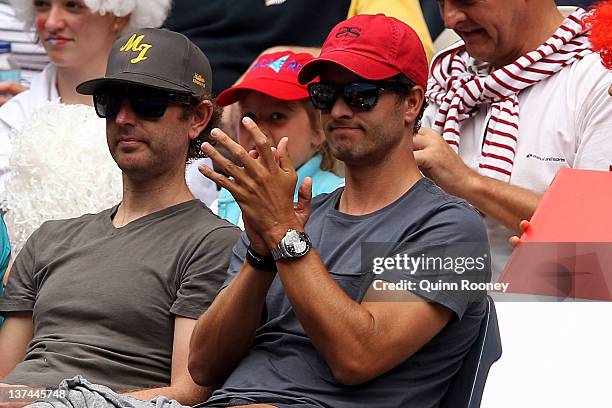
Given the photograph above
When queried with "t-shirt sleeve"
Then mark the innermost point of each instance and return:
(593, 117)
(238, 256)
(205, 272)
(21, 290)
(451, 256)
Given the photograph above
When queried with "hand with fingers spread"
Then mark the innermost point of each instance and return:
(440, 163)
(263, 188)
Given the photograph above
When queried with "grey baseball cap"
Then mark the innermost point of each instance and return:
(156, 58)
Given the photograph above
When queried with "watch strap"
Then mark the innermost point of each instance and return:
(278, 253)
(260, 262)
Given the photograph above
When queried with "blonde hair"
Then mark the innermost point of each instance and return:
(143, 13)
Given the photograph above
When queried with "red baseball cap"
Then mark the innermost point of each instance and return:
(373, 47)
(273, 74)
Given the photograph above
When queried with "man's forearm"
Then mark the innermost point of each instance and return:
(505, 203)
(339, 328)
(235, 314)
(185, 394)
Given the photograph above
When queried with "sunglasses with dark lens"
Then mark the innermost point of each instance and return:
(362, 95)
(146, 102)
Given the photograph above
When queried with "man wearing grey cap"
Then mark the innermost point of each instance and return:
(114, 296)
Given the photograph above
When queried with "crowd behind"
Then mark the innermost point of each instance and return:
(187, 249)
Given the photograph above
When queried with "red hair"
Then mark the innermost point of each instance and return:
(600, 21)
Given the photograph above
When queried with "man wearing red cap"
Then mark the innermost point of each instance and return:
(310, 307)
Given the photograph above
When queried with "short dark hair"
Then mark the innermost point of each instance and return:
(195, 151)
(405, 86)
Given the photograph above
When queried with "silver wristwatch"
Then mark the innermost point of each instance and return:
(294, 244)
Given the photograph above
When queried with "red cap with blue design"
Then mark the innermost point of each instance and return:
(274, 74)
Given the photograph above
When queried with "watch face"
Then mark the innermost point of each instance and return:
(295, 244)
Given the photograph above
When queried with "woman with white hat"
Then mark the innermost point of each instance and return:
(59, 164)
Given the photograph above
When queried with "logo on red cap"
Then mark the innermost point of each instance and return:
(277, 65)
(349, 32)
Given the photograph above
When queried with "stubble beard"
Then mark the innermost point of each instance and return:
(374, 148)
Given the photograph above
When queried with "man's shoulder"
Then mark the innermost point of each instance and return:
(74, 221)
(588, 65)
(196, 215)
(326, 200)
(423, 208)
(199, 227)
(428, 196)
(583, 78)
(52, 230)
(443, 213)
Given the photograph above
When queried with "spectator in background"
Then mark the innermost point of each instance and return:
(114, 296)
(28, 55)
(59, 162)
(579, 3)
(520, 97)
(271, 95)
(431, 11)
(235, 33)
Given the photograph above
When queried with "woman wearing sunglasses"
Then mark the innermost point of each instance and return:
(60, 166)
(271, 95)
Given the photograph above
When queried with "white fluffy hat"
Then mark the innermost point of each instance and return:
(143, 13)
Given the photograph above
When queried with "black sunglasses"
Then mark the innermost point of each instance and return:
(146, 102)
(361, 95)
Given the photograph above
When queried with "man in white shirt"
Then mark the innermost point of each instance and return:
(521, 96)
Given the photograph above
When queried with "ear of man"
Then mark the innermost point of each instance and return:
(412, 106)
(201, 115)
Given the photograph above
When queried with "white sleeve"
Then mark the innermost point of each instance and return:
(593, 118)
(428, 116)
(201, 187)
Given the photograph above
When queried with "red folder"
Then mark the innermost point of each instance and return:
(567, 250)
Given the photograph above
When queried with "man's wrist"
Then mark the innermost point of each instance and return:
(274, 235)
(259, 261)
(473, 186)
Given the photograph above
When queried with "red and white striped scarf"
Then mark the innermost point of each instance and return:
(459, 92)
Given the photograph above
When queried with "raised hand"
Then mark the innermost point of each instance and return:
(263, 188)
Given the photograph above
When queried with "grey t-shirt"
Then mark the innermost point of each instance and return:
(283, 367)
(104, 299)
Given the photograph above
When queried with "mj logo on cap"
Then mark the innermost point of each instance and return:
(134, 45)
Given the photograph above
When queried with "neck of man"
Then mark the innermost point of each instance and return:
(69, 77)
(146, 194)
(539, 25)
(373, 186)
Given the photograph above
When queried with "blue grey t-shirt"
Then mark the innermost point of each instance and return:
(283, 368)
